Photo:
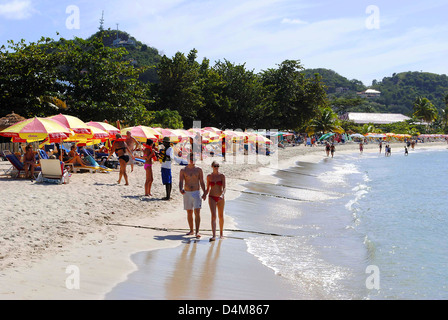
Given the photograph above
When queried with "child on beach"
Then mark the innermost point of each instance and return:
(332, 149)
(406, 151)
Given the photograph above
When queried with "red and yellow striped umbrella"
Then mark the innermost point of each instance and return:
(36, 129)
(106, 127)
(77, 125)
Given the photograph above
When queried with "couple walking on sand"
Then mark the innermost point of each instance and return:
(191, 179)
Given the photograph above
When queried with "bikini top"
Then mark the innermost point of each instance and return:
(219, 183)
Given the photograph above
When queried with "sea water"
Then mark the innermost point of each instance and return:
(360, 226)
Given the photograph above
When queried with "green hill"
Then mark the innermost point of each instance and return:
(334, 81)
(398, 92)
(141, 54)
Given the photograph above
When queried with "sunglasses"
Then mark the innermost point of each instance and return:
(217, 166)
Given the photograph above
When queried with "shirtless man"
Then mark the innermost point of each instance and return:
(132, 144)
(193, 178)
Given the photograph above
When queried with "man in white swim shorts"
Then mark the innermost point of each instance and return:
(191, 178)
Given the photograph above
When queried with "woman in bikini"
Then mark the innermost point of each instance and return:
(216, 187)
(148, 155)
(121, 149)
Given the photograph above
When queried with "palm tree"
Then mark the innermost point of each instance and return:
(326, 122)
(425, 110)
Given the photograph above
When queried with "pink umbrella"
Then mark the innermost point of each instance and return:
(106, 127)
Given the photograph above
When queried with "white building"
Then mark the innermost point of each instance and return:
(369, 93)
(375, 118)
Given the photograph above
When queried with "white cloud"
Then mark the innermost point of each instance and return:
(16, 9)
(293, 21)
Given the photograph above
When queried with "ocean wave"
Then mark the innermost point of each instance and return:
(337, 176)
(300, 263)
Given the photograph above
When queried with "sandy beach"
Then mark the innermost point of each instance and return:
(94, 225)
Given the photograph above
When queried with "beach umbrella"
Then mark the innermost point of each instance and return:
(213, 129)
(259, 139)
(77, 125)
(356, 135)
(36, 129)
(164, 132)
(234, 135)
(142, 133)
(96, 136)
(183, 134)
(105, 127)
(326, 136)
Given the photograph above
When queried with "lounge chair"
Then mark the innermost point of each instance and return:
(91, 160)
(17, 166)
(53, 171)
(42, 154)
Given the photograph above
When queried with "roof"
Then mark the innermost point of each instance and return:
(371, 91)
(376, 118)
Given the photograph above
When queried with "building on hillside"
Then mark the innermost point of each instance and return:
(375, 118)
(342, 89)
(369, 93)
(123, 43)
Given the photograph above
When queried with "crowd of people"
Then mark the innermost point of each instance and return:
(191, 177)
(191, 180)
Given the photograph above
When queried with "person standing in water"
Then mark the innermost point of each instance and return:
(332, 150)
(216, 188)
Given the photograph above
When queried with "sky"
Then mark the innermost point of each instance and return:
(363, 40)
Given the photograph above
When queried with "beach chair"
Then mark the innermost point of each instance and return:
(53, 171)
(42, 154)
(91, 160)
(17, 166)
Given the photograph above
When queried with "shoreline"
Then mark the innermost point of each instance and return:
(84, 236)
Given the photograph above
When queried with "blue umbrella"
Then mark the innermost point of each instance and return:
(326, 136)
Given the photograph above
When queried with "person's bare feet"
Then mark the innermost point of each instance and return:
(212, 239)
(198, 236)
(190, 233)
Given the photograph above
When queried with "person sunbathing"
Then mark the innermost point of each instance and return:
(29, 161)
(74, 157)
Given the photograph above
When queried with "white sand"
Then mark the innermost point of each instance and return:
(47, 228)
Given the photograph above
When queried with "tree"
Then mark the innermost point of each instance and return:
(98, 82)
(291, 98)
(424, 110)
(179, 86)
(84, 78)
(240, 96)
(29, 78)
(326, 122)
